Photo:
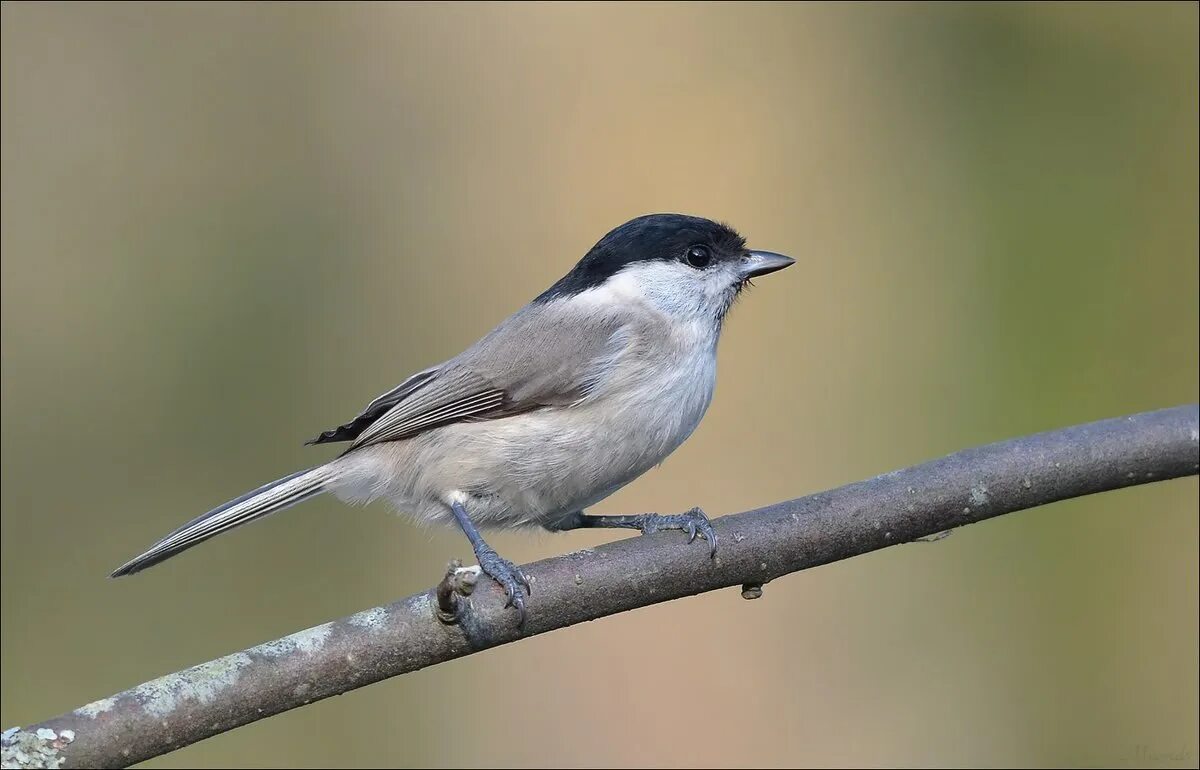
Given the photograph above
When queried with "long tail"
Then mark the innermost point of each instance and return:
(267, 499)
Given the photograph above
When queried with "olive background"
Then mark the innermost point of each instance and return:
(227, 227)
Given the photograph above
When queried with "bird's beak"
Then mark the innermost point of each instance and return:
(757, 263)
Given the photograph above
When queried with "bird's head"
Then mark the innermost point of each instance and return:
(685, 266)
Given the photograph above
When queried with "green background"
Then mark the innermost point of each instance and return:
(227, 227)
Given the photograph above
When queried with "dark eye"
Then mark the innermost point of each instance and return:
(699, 256)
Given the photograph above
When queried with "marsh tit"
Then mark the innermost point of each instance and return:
(578, 393)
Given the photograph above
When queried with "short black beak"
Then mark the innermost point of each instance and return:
(757, 263)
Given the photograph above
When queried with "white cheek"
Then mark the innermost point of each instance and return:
(672, 288)
(719, 282)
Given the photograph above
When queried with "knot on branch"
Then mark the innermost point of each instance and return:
(458, 581)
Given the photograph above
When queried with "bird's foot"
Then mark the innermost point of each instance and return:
(694, 523)
(508, 576)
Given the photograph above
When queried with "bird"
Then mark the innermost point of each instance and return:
(592, 383)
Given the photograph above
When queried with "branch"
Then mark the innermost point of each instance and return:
(756, 547)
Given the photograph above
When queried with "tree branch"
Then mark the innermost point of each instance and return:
(756, 547)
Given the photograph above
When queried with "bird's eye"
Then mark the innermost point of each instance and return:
(699, 256)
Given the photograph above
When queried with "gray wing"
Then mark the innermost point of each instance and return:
(376, 408)
(526, 363)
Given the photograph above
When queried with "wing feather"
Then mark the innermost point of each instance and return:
(526, 363)
(398, 424)
(374, 410)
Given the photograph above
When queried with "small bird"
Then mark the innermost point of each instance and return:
(572, 397)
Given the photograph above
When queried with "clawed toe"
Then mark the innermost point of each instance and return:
(698, 524)
(694, 523)
(509, 577)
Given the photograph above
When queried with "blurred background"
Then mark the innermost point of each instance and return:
(227, 227)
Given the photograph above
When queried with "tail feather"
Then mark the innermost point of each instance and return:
(267, 499)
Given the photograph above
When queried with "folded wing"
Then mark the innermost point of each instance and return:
(525, 364)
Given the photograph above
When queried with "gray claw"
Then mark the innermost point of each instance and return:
(508, 577)
(705, 529)
(694, 523)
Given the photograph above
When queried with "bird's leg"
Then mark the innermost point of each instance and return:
(694, 523)
(501, 570)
